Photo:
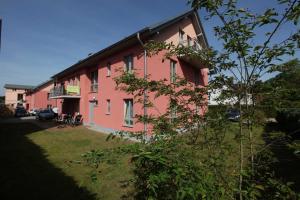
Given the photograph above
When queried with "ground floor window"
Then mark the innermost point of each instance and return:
(128, 112)
(173, 110)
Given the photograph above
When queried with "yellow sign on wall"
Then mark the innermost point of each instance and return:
(73, 89)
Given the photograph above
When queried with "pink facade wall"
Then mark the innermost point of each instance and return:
(38, 99)
(158, 68)
(11, 97)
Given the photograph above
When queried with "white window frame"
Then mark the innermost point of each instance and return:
(128, 114)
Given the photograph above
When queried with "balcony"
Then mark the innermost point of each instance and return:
(64, 92)
(191, 59)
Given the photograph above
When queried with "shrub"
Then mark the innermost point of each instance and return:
(5, 111)
(289, 119)
(171, 172)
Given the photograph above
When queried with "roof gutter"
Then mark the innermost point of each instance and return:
(145, 77)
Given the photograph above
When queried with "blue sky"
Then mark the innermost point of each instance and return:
(43, 37)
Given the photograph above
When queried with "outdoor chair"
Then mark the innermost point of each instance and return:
(77, 120)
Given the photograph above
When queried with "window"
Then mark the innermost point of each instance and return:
(189, 41)
(128, 112)
(173, 71)
(49, 106)
(20, 97)
(197, 76)
(14, 90)
(48, 96)
(181, 36)
(108, 69)
(196, 46)
(173, 108)
(128, 60)
(108, 106)
(94, 81)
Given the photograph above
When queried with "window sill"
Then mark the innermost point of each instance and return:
(127, 125)
(107, 75)
(107, 113)
(93, 92)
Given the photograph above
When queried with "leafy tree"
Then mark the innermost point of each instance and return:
(283, 90)
(172, 166)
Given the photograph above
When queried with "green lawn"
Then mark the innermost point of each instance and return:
(46, 164)
(35, 164)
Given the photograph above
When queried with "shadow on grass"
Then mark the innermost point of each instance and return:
(288, 164)
(25, 171)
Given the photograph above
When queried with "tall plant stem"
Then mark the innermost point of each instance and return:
(241, 152)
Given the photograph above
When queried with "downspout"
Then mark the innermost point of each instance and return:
(145, 77)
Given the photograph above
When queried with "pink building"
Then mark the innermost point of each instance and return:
(39, 96)
(88, 87)
(15, 95)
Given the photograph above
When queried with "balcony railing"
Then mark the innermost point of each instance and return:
(94, 87)
(194, 44)
(191, 59)
(68, 91)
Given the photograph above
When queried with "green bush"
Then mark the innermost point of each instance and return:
(170, 172)
(5, 111)
(289, 119)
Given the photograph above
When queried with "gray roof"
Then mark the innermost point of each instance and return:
(42, 84)
(23, 87)
(145, 32)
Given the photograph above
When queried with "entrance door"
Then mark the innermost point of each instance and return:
(91, 111)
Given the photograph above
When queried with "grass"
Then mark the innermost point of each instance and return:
(35, 164)
(40, 163)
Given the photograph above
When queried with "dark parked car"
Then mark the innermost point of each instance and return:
(46, 114)
(233, 115)
(20, 112)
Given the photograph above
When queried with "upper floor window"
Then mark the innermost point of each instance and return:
(181, 36)
(173, 110)
(48, 96)
(94, 81)
(196, 46)
(172, 71)
(108, 69)
(20, 97)
(128, 60)
(189, 41)
(128, 112)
